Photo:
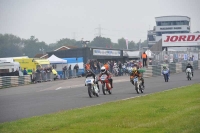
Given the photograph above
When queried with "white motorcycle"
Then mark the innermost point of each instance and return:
(189, 73)
(93, 88)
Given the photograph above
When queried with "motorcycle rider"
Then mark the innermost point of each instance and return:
(89, 73)
(189, 66)
(134, 73)
(166, 68)
(116, 69)
(105, 71)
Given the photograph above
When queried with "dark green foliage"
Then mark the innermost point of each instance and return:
(11, 45)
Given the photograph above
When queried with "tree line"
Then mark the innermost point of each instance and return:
(11, 45)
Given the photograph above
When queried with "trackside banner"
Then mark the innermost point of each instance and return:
(181, 40)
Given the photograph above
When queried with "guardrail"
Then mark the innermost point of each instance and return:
(173, 67)
(11, 81)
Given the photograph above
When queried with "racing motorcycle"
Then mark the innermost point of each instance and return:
(138, 85)
(116, 71)
(189, 73)
(106, 86)
(93, 87)
(165, 73)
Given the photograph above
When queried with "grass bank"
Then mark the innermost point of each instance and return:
(173, 111)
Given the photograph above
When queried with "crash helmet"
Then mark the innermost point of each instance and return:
(103, 69)
(164, 66)
(134, 69)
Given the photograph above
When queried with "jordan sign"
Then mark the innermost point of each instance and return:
(181, 40)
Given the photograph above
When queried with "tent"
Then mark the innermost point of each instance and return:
(55, 60)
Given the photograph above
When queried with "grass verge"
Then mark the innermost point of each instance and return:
(174, 111)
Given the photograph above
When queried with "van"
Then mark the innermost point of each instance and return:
(7, 67)
(32, 63)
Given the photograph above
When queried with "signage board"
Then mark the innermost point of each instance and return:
(181, 40)
(102, 52)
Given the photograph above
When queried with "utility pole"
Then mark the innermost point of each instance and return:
(74, 35)
(99, 30)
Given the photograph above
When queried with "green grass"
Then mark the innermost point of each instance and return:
(173, 111)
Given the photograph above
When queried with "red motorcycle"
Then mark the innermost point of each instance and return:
(106, 87)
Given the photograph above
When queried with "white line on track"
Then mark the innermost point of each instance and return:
(58, 88)
(79, 85)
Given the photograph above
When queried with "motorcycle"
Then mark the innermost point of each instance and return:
(189, 73)
(166, 75)
(106, 86)
(138, 85)
(93, 88)
(116, 71)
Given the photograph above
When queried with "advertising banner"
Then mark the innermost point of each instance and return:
(181, 40)
(102, 52)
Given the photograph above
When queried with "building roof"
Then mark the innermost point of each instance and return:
(157, 46)
(172, 16)
(58, 49)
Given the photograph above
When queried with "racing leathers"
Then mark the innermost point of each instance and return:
(109, 77)
(89, 73)
(138, 74)
(189, 66)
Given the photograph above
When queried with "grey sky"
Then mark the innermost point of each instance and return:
(51, 20)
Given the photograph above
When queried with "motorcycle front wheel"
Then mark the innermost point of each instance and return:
(136, 87)
(141, 90)
(90, 92)
(103, 89)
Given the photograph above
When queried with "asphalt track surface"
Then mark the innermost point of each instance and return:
(50, 97)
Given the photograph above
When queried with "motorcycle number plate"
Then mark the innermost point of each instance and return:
(165, 72)
(103, 77)
(135, 79)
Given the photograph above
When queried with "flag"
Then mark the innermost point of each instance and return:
(127, 43)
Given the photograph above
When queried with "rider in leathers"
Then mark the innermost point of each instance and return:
(134, 73)
(89, 73)
(104, 71)
(189, 66)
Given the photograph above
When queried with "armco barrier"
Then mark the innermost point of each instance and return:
(11, 81)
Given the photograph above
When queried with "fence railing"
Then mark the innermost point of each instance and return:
(156, 70)
(160, 57)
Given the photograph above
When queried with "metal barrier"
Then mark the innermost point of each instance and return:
(160, 57)
(70, 74)
(156, 70)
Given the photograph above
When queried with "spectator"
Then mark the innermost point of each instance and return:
(70, 71)
(25, 72)
(64, 72)
(16, 72)
(76, 67)
(98, 67)
(33, 76)
(144, 58)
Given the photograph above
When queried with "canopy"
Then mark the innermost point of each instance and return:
(55, 60)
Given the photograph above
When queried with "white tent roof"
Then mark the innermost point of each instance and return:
(55, 60)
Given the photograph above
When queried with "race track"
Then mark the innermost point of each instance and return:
(44, 98)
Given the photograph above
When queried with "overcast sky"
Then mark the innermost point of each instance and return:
(52, 20)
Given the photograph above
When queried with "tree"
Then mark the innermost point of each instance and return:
(10, 45)
(32, 47)
(101, 42)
